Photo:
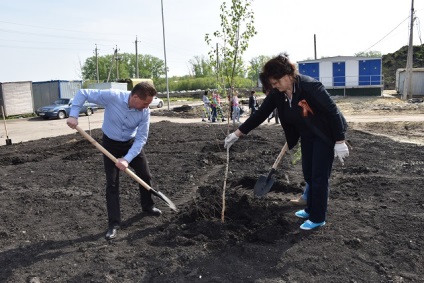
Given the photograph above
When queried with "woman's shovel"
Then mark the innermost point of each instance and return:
(264, 183)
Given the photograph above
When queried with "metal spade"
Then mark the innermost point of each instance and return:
(264, 183)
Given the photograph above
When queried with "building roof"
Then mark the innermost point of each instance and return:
(413, 69)
(338, 59)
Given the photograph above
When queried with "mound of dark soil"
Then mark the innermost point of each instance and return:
(53, 215)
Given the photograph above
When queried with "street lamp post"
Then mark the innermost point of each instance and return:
(164, 52)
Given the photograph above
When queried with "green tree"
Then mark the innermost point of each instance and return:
(237, 27)
(123, 66)
(201, 67)
(369, 54)
(150, 67)
(255, 66)
(89, 68)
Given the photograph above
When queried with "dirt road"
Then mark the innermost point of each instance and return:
(22, 130)
(27, 129)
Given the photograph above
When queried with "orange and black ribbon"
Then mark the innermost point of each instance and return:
(305, 107)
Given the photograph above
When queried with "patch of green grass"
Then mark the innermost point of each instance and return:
(176, 99)
(29, 115)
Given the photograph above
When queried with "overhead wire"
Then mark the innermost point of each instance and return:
(59, 29)
(100, 41)
(386, 35)
(419, 29)
(42, 47)
(416, 19)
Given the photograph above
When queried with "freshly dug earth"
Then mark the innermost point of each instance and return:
(53, 215)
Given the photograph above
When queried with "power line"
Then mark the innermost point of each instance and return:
(60, 29)
(419, 29)
(47, 35)
(43, 48)
(386, 35)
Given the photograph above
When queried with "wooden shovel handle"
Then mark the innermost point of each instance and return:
(280, 156)
(4, 120)
(113, 158)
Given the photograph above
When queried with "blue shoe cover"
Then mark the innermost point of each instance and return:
(302, 214)
(309, 225)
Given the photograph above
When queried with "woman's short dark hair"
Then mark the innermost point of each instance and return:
(278, 67)
(143, 90)
(266, 86)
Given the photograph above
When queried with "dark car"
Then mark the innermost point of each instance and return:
(60, 109)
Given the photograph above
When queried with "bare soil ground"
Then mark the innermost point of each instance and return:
(53, 215)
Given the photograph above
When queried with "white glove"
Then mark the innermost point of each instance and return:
(341, 151)
(230, 139)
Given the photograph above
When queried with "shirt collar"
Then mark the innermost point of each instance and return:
(126, 98)
(127, 101)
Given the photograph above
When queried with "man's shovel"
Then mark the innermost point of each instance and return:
(264, 183)
(128, 171)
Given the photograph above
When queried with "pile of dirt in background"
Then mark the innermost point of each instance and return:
(377, 105)
(347, 105)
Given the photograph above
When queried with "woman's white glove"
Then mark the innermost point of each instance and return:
(341, 151)
(230, 139)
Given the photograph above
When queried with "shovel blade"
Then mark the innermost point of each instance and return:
(263, 186)
(165, 199)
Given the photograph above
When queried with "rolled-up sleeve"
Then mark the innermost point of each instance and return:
(140, 139)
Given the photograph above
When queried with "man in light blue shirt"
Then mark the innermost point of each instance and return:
(125, 131)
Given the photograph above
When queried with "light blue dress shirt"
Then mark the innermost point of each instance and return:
(120, 122)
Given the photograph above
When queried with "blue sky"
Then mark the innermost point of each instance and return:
(48, 40)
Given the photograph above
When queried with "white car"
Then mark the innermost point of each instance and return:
(156, 102)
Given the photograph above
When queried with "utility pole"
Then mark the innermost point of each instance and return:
(97, 63)
(407, 84)
(315, 46)
(115, 52)
(136, 59)
(117, 58)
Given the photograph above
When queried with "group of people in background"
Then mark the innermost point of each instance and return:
(212, 108)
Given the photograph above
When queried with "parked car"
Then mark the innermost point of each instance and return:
(60, 109)
(157, 102)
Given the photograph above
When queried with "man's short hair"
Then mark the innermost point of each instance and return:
(143, 90)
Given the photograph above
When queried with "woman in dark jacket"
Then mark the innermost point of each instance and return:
(308, 113)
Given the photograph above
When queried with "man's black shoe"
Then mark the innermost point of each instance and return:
(153, 211)
(111, 233)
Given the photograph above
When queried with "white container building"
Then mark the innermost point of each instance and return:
(346, 75)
